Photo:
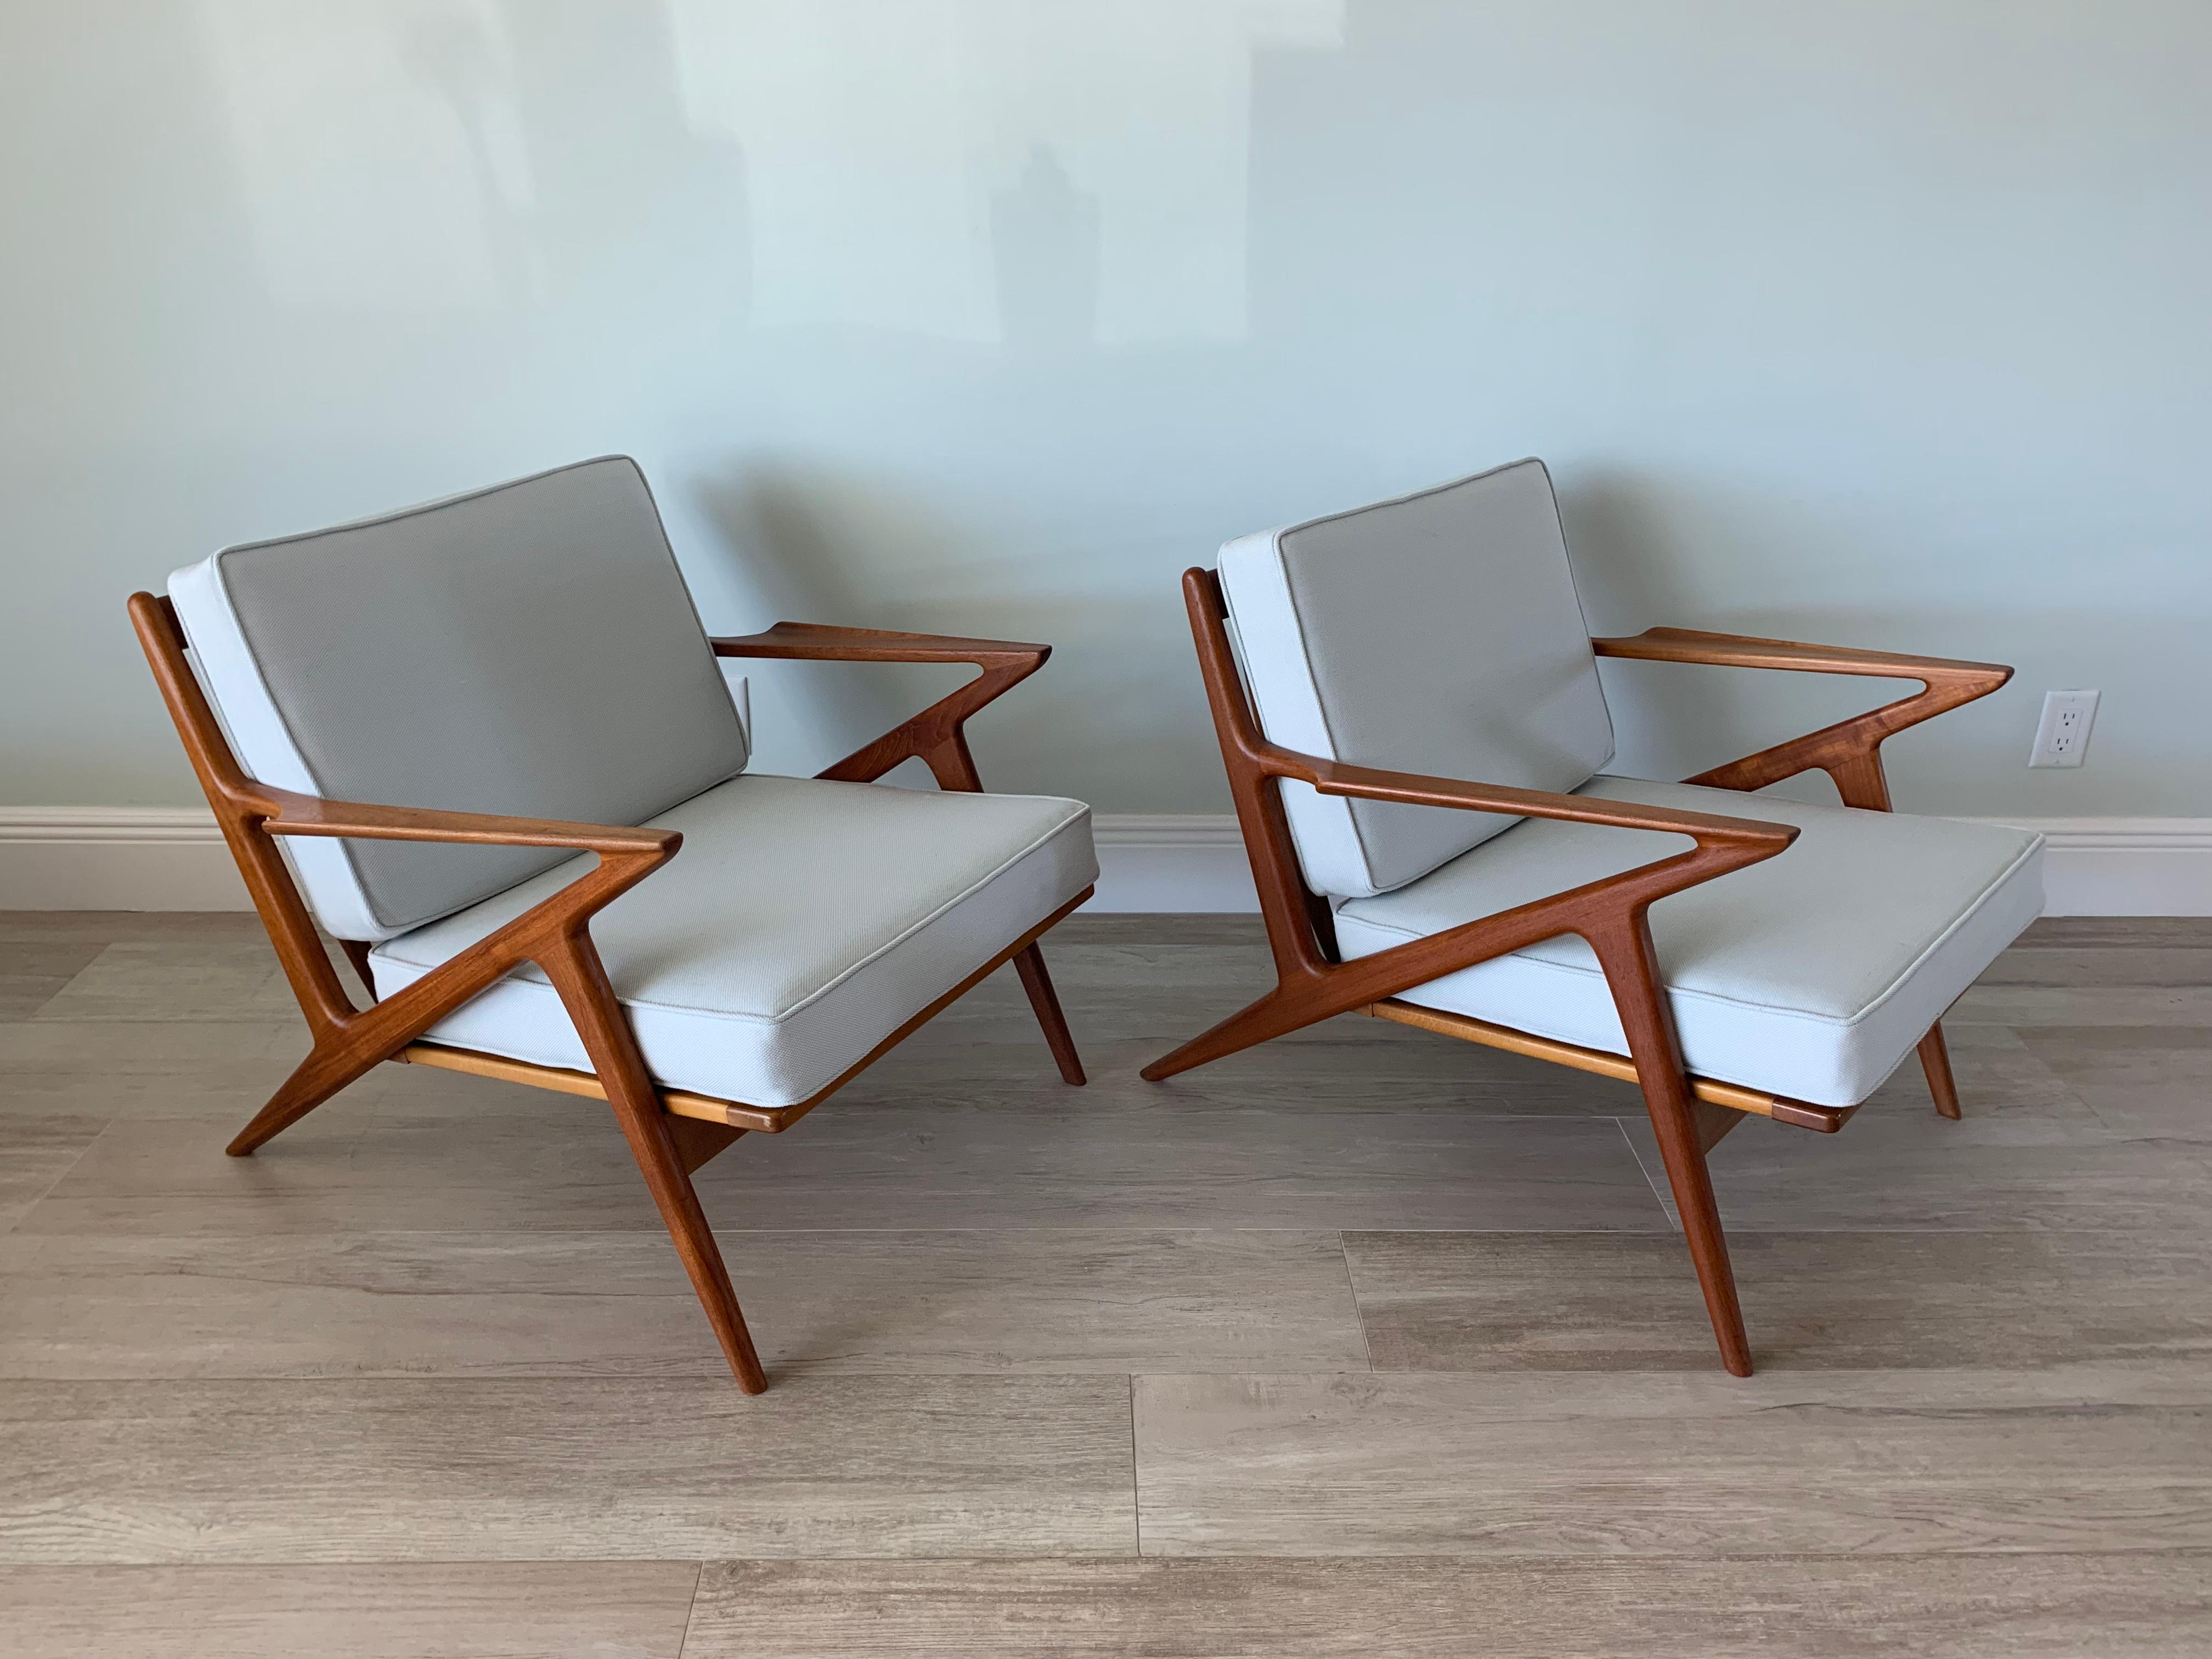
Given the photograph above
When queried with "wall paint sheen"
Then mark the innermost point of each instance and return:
(1877, 323)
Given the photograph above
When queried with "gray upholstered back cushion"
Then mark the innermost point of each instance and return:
(1438, 633)
(528, 649)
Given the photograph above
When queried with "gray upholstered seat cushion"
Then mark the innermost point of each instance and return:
(528, 649)
(800, 924)
(1438, 633)
(1810, 975)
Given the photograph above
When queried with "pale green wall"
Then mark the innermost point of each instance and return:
(1883, 324)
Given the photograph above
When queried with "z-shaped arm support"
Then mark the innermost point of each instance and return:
(1609, 913)
(553, 932)
(1721, 845)
(557, 923)
(349, 1041)
(1849, 752)
(938, 733)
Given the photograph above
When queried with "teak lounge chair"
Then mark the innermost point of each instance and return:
(470, 738)
(1408, 704)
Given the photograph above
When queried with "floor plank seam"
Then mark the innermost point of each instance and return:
(1136, 1483)
(1597, 1561)
(1663, 1198)
(47, 1191)
(1359, 1313)
(691, 1610)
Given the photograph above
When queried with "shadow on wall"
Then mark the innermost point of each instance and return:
(1638, 542)
(802, 546)
(1045, 247)
(453, 54)
(464, 184)
(640, 214)
(774, 545)
(1630, 577)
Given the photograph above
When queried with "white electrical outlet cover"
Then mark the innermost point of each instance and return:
(2062, 738)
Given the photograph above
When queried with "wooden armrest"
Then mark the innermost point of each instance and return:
(936, 735)
(626, 857)
(1749, 651)
(821, 642)
(1850, 751)
(1337, 778)
(293, 814)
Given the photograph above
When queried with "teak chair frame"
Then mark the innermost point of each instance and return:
(670, 1133)
(1689, 1115)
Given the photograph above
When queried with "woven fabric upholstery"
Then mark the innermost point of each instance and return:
(800, 924)
(1810, 975)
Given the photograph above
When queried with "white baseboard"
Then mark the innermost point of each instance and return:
(2124, 867)
(1172, 862)
(116, 858)
(160, 858)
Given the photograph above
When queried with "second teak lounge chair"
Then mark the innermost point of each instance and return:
(1408, 704)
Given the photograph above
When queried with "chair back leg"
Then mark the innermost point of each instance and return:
(1030, 964)
(954, 767)
(1863, 784)
(1936, 1061)
(326, 1070)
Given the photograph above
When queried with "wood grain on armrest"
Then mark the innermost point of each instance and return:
(936, 734)
(1850, 751)
(1337, 778)
(821, 642)
(1749, 651)
(310, 815)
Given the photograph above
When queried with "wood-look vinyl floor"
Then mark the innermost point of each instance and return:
(1363, 1342)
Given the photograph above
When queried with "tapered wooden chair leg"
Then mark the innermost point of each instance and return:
(1693, 1184)
(320, 1075)
(1935, 1060)
(1685, 1127)
(581, 979)
(1030, 964)
(1270, 1017)
(678, 1201)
